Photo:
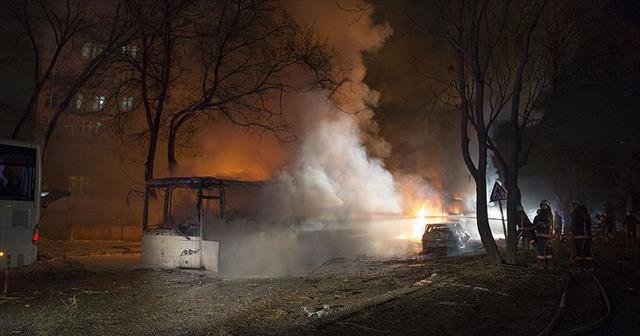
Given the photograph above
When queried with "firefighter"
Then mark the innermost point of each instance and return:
(545, 208)
(542, 223)
(557, 225)
(525, 228)
(630, 226)
(581, 231)
(609, 220)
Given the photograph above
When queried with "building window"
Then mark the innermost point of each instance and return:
(98, 103)
(97, 50)
(91, 50)
(131, 50)
(89, 129)
(79, 99)
(126, 103)
(79, 185)
(69, 130)
(86, 50)
(50, 99)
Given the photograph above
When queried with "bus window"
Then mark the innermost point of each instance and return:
(17, 173)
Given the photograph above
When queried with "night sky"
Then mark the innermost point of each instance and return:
(589, 134)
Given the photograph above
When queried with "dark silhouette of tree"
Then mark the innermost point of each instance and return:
(246, 53)
(231, 59)
(50, 27)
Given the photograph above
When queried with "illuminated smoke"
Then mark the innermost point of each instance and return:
(332, 186)
(333, 169)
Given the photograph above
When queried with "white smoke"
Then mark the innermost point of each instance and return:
(321, 204)
(333, 169)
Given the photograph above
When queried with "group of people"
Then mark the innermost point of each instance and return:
(607, 223)
(547, 225)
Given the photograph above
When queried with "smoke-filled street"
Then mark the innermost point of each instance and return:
(311, 167)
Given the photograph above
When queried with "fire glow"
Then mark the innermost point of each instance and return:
(418, 226)
(424, 214)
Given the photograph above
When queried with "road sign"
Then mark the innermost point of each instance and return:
(498, 193)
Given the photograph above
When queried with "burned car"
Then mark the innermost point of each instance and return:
(444, 239)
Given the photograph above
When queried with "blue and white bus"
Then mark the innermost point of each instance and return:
(20, 174)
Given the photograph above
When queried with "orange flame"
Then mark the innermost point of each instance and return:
(419, 224)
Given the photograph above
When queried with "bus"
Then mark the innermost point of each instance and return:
(20, 174)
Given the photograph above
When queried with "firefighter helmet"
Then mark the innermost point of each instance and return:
(545, 202)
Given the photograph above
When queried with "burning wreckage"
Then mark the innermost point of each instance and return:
(195, 215)
(190, 206)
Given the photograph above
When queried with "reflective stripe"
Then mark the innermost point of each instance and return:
(588, 258)
(581, 237)
(543, 235)
(541, 257)
(549, 257)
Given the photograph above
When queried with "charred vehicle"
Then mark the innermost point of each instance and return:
(444, 239)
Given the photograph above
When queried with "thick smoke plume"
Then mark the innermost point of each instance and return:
(329, 194)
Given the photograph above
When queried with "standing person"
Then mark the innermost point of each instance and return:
(545, 208)
(557, 224)
(542, 223)
(629, 224)
(525, 228)
(600, 218)
(609, 220)
(581, 231)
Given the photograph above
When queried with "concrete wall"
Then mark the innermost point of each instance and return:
(171, 251)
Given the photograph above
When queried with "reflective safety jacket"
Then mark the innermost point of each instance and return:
(542, 225)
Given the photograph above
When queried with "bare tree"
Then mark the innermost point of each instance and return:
(161, 27)
(475, 31)
(509, 61)
(521, 79)
(109, 34)
(543, 37)
(247, 55)
(235, 59)
(106, 32)
(63, 22)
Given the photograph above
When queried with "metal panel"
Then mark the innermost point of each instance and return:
(20, 217)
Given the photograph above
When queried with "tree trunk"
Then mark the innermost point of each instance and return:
(513, 191)
(171, 150)
(479, 173)
(176, 123)
(148, 175)
(32, 105)
(513, 201)
(482, 216)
